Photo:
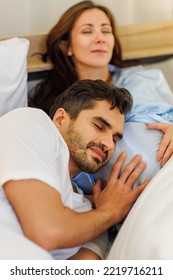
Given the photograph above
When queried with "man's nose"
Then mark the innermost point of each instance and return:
(108, 143)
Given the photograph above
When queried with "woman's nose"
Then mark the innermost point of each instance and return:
(99, 37)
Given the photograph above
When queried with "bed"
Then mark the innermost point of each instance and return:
(150, 43)
(144, 41)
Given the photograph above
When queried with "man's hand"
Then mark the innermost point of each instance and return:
(166, 145)
(118, 196)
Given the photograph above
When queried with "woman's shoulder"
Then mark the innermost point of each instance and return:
(135, 70)
(135, 74)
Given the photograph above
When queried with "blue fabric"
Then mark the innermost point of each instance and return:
(152, 96)
(85, 181)
(137, 139)
(152, 102)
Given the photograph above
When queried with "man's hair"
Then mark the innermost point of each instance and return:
(82, 95)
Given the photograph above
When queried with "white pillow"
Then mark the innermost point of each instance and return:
(13, 74)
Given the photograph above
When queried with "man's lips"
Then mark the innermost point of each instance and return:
(98, 153)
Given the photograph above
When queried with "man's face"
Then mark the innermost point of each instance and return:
(92, 137)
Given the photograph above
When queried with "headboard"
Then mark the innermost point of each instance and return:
(142, 41)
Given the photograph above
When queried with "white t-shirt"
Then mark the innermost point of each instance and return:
(32, 147)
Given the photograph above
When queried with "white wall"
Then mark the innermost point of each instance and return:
(21, 17)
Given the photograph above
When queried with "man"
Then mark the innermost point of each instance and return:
(39, 157)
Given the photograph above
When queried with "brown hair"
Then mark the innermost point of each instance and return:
(82, 95)
(64, 72)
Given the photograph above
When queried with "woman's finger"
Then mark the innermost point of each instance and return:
(168, 153)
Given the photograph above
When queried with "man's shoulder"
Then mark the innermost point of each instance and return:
(25, 115)
(27, 121)
(24, 111)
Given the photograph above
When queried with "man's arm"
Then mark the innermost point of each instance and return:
(85, 254)
(47, 222)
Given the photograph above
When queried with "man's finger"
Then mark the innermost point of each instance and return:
(129, 168)
(117, 167)
(136, 173)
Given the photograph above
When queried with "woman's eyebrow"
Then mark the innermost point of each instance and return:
(91, 25)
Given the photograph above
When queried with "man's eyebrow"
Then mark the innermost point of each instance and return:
(102, 120)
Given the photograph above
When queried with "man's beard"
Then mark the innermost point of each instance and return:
(78, 152)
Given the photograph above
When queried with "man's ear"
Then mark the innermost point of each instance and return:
(65, 48)
(60, 118)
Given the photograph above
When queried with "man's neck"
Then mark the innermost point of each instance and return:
(73, 171)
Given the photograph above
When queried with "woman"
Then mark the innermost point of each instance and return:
(84, 45)
(59, 41)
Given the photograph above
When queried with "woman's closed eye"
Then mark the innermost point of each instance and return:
(86, 31)
(107, 30)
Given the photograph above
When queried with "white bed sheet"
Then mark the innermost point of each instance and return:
(147, 231)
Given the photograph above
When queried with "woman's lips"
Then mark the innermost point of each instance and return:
(99, 51)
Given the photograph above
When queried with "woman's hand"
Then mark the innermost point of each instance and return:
(166, 145)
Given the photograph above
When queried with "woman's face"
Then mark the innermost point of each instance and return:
(92, 40)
